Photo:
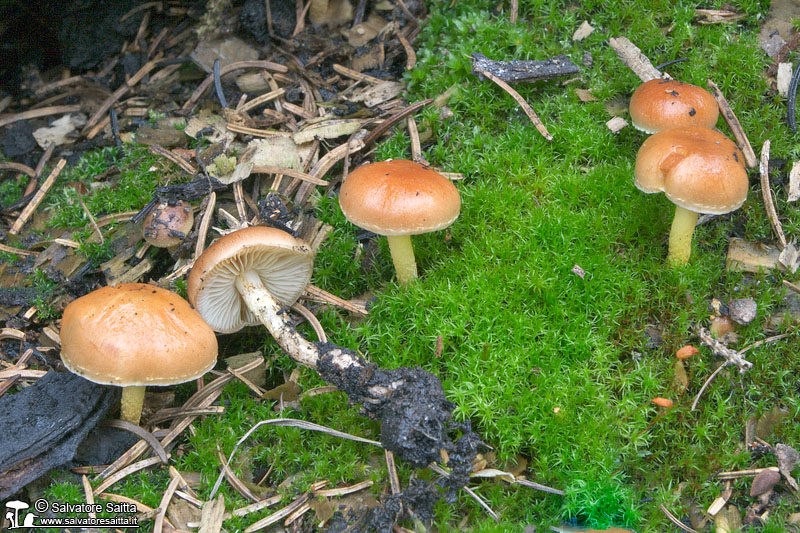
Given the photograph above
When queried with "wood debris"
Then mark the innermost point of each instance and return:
(633, 58)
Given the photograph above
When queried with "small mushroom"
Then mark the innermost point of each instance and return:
(167, 224)
(661, 104)
(763, 484)
(700, 171)
(399, 198)
(133, 335)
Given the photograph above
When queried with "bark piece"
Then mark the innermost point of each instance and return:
(517, 71)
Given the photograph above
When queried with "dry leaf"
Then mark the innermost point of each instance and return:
(583, 31)
(328, 129)
(378, 93)
(585, 95)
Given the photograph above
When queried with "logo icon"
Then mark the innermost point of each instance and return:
(12, 515)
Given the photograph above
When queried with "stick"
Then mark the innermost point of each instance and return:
(203, 87)
(520, 100)
(634, 59)
(514, 11)
(19, 167)
(734, 124)
(733, 357)
(392, 120)
(416, 146)
(709, 380)
(766, 194)
(38, 113)
(272, 169)
(37, 198)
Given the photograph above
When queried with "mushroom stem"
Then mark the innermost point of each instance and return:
(403, 256)
(132, 402)
(268, 311)
(680, 236)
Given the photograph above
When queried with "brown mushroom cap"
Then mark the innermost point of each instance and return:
(167, 225)
(283, 263)
(399, 197)
(764, 482)
(661, 104)
(698, 169)
(136, 334)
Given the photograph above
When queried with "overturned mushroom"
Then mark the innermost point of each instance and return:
(248, 276)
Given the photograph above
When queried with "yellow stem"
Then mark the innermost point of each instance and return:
(132, 401)
(403, 256)
(680, 236)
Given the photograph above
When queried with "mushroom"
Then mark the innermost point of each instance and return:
(700, 171)
(245, 278)
(167, 224)
(133, 335)
(399, 198)
(662, 104)
(248, 275)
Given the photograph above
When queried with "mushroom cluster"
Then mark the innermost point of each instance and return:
(699, 169)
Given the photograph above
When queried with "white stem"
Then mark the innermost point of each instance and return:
(267, 310)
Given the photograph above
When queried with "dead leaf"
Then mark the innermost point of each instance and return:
(328, 129)
(718, 16)
(583, 31)
(787, 459)
(60, 131)
(288, 392)
(378, 93)
(492, 473)
(585, 95)
(212, 514)
(750, 256)
(768, 421)
(790, 257)
(794, 182)
(362, 33)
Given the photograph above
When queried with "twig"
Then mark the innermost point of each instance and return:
(41, 112)
(790, 110)
(257, 506)
(709, 380)
(416, 146)
(520, 100)
(37, 198)
(202, 231)
(354, 74)
(87, 491)
(203, 87)
(218, 85)
(312, 319)
(342, 491)
(176, 412)
(766, 194)
(272, 169)
(146, 436)
(181, 162)
(18, 251)
(394, 481)
(235, 482)
(125, 472)
(737, 474)
(278, 515)
(671, 62)
(764, 341)
(162, 506)
(18, 167)
(786, 283)
(324, 164)
(259, 100)
(733, 357)
(672, 518)
(411, 56)
(634, 59)
(384, 126)
(91, 218)
(514, 11)
(325, 296)
(289, 422)
(734, 124)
